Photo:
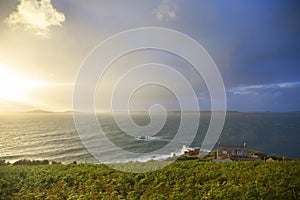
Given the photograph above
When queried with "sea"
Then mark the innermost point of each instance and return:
(53, 136)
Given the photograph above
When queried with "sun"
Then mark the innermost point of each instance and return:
(14, 86)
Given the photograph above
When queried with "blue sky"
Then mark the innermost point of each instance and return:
(255, 45)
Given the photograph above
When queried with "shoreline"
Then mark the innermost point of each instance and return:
(209, 157)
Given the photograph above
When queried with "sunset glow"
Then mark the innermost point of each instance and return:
(14, 86)
(44, 43)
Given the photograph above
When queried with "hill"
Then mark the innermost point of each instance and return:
(38, 112)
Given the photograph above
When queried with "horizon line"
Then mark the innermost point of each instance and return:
(122, 111)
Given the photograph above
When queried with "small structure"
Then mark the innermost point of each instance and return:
(232, 152)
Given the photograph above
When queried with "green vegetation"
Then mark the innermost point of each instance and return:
(4, 163)
(180, 180)
(33, 162)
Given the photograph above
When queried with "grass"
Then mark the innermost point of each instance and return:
(180, 180)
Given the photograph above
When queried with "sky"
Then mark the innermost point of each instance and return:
(255, 45)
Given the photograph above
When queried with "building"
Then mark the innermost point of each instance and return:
(232, 152)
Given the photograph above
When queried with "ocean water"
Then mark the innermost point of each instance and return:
(54, 136)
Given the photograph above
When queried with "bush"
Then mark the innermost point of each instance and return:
(33, 162)
(180, 180)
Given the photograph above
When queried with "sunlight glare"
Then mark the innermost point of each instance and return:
(13, 86)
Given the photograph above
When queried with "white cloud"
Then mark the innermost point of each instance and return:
(36, 15)
(258, 89)
(166, 10)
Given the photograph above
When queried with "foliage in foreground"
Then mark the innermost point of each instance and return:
(180, 180)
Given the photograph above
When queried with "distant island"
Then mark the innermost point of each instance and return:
(48, 112)
(38, 111)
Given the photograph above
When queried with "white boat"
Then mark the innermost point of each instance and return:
(141, 137)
